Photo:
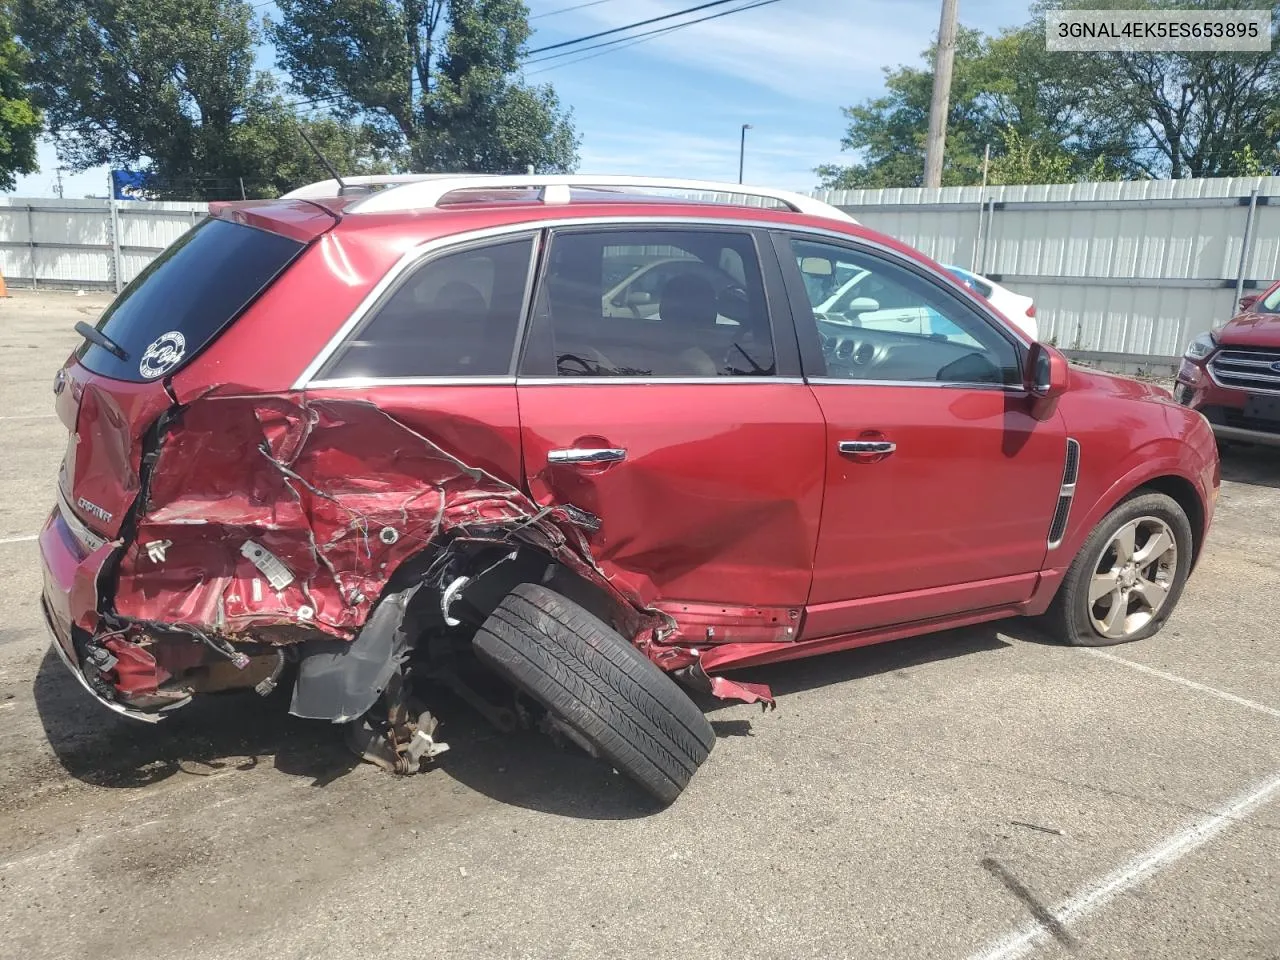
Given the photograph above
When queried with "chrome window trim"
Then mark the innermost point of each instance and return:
(350, 383)
(438, 245)
(948, 384)
(655, 381)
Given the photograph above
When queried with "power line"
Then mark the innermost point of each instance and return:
(552, 13)
(623, 42)
(629, 26)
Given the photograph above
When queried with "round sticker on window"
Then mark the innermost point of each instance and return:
(165, 353)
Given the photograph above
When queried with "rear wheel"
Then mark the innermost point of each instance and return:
(1127, 578)
(597, 688)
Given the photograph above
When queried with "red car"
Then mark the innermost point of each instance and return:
(1232, 374)
(390, 432)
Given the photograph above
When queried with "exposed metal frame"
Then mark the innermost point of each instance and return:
(426, 191)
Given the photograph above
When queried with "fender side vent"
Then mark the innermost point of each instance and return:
(1067, 493)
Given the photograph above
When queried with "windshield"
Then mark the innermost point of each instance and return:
(1271, 303)
(185, 297)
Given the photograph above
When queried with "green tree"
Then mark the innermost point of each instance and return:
(1181, 114)
(169, 86)
(437, 77)
(1000, 84)
(20, 120)
(1071, 116)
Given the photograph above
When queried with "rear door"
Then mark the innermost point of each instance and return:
(688, 434)
(435, 351)
(941, 485)
(114, 386)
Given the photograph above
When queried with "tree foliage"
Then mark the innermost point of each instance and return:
(170, 86)
(20, 120)
(1060, 117)
(436, 77)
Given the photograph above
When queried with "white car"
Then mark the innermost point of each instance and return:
(874, 309)
(1019, 309)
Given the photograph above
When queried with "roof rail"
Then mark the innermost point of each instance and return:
(424, 191)
(332, 188)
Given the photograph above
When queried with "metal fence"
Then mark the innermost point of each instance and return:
(1122, 273)
(86, 243)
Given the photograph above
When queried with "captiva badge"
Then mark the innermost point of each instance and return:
(165, 353)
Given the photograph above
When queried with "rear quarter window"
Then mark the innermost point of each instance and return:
(185, 297)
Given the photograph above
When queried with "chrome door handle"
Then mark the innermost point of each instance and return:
(587, 455)
(867, 446)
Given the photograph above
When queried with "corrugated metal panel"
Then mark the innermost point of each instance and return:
(1135, 277)
(1133, 268)
(73, 238)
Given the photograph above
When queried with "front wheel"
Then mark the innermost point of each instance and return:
(1127, 578)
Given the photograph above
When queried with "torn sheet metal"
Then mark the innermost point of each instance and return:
(696, 678)
(323, 499)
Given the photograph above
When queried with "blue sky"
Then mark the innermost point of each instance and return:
(674, 104)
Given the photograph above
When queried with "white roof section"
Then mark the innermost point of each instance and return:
(403, 192)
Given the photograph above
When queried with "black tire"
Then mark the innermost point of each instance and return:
(1067, 618)
(598, 684)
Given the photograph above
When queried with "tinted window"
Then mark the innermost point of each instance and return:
(972, 281)
(652, 304)
(454, 316)
(186, 296)
(885, 322)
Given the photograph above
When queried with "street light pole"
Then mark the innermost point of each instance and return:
(742, 150)
(944, 59)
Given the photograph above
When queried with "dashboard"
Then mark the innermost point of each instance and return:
(860, 353)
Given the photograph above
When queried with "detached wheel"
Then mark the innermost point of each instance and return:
(599, 686)
(1127, 578)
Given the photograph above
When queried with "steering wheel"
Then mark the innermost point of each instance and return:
(594, 364)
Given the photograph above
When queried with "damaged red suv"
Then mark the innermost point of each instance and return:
(570, 446)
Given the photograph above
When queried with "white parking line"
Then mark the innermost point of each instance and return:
(23, 539)
(1094, 898)
(1174, 678)
(29, 416)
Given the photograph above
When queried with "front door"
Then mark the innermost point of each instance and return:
(941, 485)
(686, 430)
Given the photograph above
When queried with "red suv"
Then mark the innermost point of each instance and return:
(1232, 373)
(425, 429)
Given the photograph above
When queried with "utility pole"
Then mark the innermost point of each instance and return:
(742, 150)
(943, 60)
(57, 184)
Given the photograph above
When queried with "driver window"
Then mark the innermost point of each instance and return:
(877, 320)
(651, 303)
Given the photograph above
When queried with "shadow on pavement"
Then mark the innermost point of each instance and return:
(896, 656)
(1258, 466)
(230, 731)
(525, 769)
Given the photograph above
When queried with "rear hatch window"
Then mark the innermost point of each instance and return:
(185, 297)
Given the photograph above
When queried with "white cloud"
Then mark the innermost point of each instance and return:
(771, 159)
(813, 50)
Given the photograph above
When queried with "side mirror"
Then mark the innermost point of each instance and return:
(1047, 373)
(633, 298)
(862, 305)
(1246, 303)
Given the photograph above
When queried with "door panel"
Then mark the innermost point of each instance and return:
(687, 432)
(941, 485)
(717, 498)
(966, 497)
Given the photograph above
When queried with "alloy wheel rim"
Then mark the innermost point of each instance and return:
(1132, 577)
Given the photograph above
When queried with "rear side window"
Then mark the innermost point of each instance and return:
(456, 315)
(185, 297)
(651, 304)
